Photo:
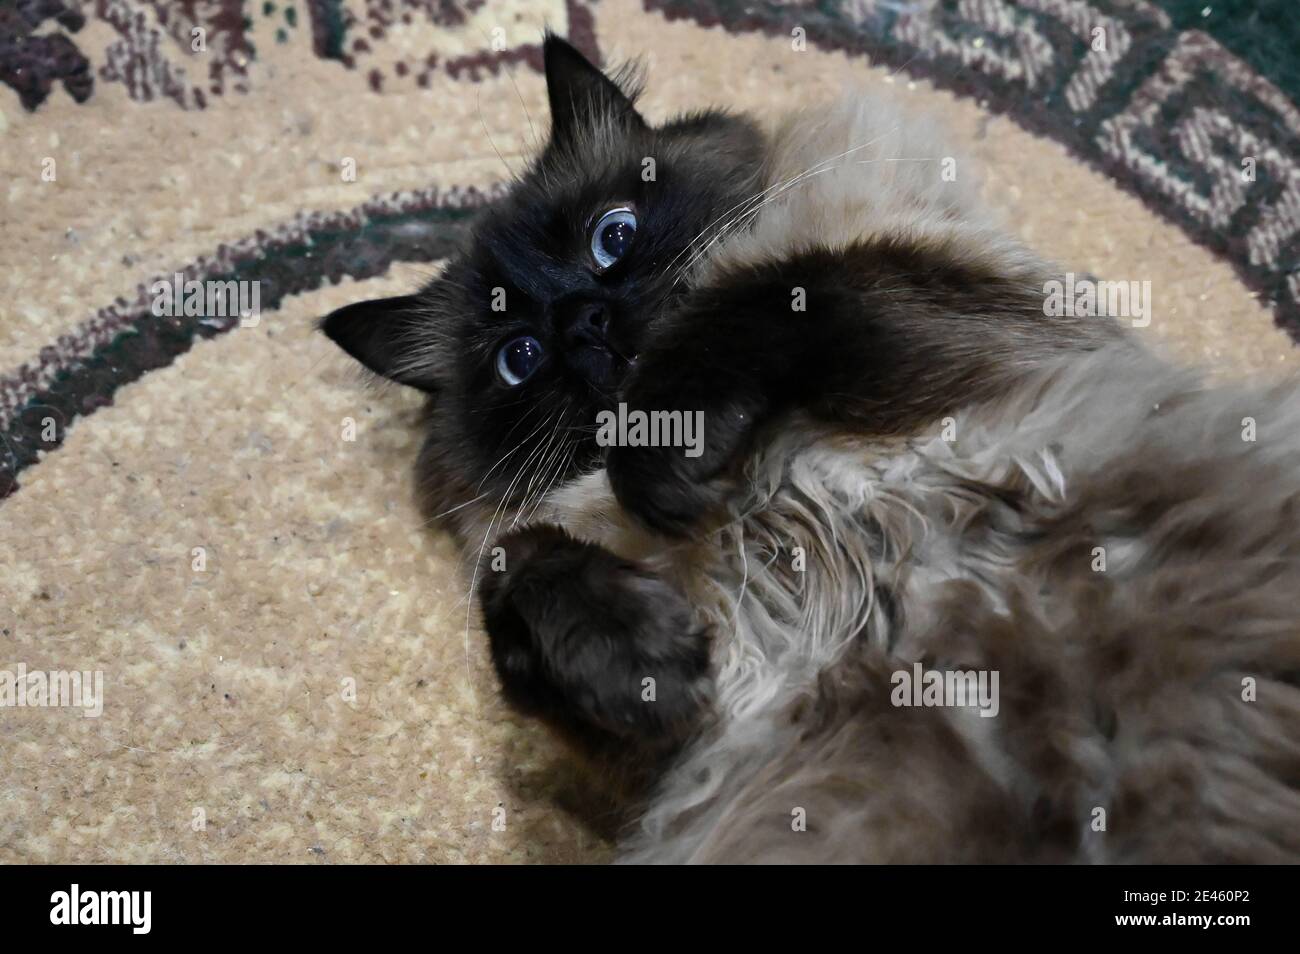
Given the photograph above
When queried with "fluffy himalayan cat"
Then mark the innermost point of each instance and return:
(947, 580)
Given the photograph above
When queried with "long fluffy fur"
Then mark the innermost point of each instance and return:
(1121, 691)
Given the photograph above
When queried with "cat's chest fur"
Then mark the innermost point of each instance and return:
(834, 544)
(1025, 537)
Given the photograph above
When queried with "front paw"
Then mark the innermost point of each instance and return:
(670, 487)
(660, 489)
(601, 647)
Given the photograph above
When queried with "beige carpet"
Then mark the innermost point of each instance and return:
(319, 691)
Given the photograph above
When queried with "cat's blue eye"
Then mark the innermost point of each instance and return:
(518, 359)
(612, 237)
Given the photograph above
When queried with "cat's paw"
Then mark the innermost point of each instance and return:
(599, 646)
(670, 488)
(662, 491)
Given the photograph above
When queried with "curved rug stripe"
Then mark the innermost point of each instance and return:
(1171, 115)
(362, 243)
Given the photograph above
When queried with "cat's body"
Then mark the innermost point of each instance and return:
(1120, 689)
(948, 478)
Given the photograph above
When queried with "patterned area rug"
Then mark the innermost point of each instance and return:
(216, 513)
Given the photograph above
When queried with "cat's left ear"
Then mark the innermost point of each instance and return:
(580, 94)
(381, 334)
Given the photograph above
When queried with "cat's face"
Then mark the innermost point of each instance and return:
(530, 332)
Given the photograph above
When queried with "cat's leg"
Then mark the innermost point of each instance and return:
(602, 648)
(790, 334)
(885, 339)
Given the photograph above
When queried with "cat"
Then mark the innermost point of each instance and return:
(950, 577)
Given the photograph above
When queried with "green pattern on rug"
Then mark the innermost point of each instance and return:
(1264, 33)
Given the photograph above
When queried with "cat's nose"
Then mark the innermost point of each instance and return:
(595, 318)
(587, 323)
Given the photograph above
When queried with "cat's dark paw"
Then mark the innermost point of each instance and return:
(670, 488)
(601, 647)
(664, 492)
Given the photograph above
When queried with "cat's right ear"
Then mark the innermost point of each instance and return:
(379, 334)
(580, 94)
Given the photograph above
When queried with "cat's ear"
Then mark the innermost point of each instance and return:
(378, 334)
(580, 94)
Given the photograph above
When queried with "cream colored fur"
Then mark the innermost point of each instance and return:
(985, 544)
